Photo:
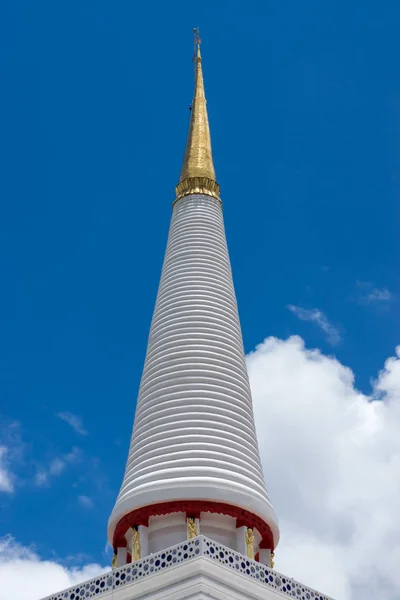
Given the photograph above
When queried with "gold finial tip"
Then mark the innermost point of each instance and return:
(197, 41)
(198, 173)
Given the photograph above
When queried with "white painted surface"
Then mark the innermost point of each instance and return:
(166, 531)
(264, 557)
(241, 540)
(128, 538)
(121, 556)
(220, 528)
(194, 435)
(144, 540)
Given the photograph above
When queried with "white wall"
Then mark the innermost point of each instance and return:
(167, 530)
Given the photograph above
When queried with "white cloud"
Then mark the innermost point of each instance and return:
(57, 466)
(369, 294)
(85, 501)
(12, 456)
(6, 477)
(379, 294)
(25, 576)
(331, 457)
(73, 421)
(317, 316)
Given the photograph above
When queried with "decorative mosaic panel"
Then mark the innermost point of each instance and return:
(128, 574)
(255, 570)
(88, 589)
(200, 546)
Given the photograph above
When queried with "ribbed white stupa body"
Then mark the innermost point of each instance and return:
(194, 436)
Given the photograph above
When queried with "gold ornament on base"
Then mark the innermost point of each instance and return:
(136, 549)
(271, 560)
(250, 543)
(114, 561)
(191, 528)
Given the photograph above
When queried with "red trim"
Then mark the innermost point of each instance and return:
(192, 508)
(128, 558)
(257, 557)
(193, 515)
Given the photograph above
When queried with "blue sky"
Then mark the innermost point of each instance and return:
(303, 102)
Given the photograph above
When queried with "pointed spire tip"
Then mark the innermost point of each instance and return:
(197, 42)
(198, 173)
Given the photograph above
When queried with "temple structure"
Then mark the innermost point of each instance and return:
(193, 518)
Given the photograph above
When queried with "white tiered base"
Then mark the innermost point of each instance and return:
(198, 569)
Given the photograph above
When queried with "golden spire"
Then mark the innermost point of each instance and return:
(198, 173)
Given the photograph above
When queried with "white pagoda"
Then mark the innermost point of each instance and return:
(193, 518)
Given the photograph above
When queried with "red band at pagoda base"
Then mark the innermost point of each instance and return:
(192, 508)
